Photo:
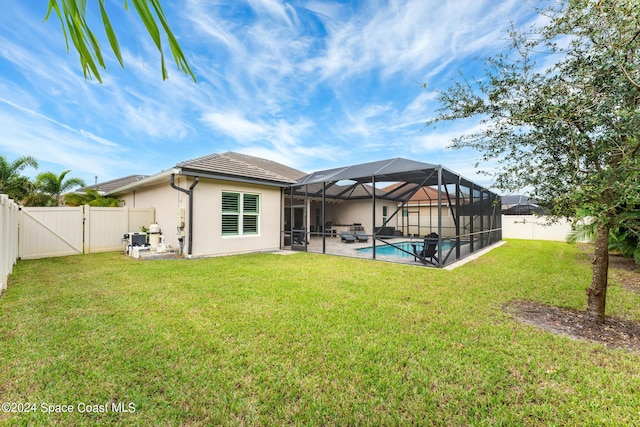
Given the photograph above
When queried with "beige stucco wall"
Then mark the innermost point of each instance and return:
(354, 211)
(166, 201)
(207, 217)
(422, 220)
(207, 237)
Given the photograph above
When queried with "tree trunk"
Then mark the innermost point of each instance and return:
(597, 293)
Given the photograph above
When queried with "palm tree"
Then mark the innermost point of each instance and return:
(624, 239)
(91, 197)
(54, 185)
(38, 198)
(13, 184)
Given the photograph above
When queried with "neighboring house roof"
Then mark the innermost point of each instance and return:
(517, 204)
(107, 186)
(235, 165)
(421, 196)
(425, 195)
(516, 199)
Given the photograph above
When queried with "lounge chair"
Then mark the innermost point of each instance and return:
(361, 236)
(347, 237)
(427, 253)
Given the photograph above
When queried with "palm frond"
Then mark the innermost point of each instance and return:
(72, 16)
(582, 232)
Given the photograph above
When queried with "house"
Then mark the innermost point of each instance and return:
(233, 203)
(216, 204)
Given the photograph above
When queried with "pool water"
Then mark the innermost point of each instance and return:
(382, 249)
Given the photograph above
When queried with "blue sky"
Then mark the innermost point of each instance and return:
(312, 84)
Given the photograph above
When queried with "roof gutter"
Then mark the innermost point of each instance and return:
(189, 193)
(236, 178)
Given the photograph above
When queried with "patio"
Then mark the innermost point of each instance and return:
(397, 200)
(336, 246)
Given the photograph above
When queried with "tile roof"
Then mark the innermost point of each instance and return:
(107, 186)
(424, 194)
(241, 165)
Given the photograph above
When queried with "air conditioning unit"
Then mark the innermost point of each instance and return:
(135, 239)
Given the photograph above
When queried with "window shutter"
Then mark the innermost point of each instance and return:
(230, 214)
(231, 202)
(230, 226)
(250, 203)
(240, 213)
(249, 224)
(250, 209)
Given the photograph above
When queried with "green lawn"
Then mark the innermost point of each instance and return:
(307, 339)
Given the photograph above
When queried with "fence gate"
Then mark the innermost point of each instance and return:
(60, 231)
(47, 232)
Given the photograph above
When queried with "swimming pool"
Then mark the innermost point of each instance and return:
(387, 250)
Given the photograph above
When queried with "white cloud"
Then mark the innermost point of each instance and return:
(275, 8)
(440, 139)
(54, 143)
(204, 19)
(280, 133)
(368, 120)
(234, 125)
(37, 116)
(411, 37)
(421, 103)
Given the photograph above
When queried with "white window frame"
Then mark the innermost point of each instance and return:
(240, 213)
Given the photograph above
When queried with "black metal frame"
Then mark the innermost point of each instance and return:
(475, 211)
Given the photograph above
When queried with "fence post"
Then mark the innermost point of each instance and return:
(127, 217)
(4, 246)
(86, 229)
(8, 238)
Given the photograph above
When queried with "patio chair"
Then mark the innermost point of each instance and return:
(361, 236)
(347, 237)
(300, 236)
(427, 253)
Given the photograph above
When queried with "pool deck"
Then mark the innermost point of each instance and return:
(335, 246)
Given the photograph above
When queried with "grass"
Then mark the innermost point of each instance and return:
(307, 339)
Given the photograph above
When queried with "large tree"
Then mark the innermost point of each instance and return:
(73, 17)
(12, 183)
(560, 115)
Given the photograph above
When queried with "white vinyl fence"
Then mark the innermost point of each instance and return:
(532, 227)
(59, 231)
(8, 238)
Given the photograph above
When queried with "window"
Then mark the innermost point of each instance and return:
(240, 214)
(385, 214)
